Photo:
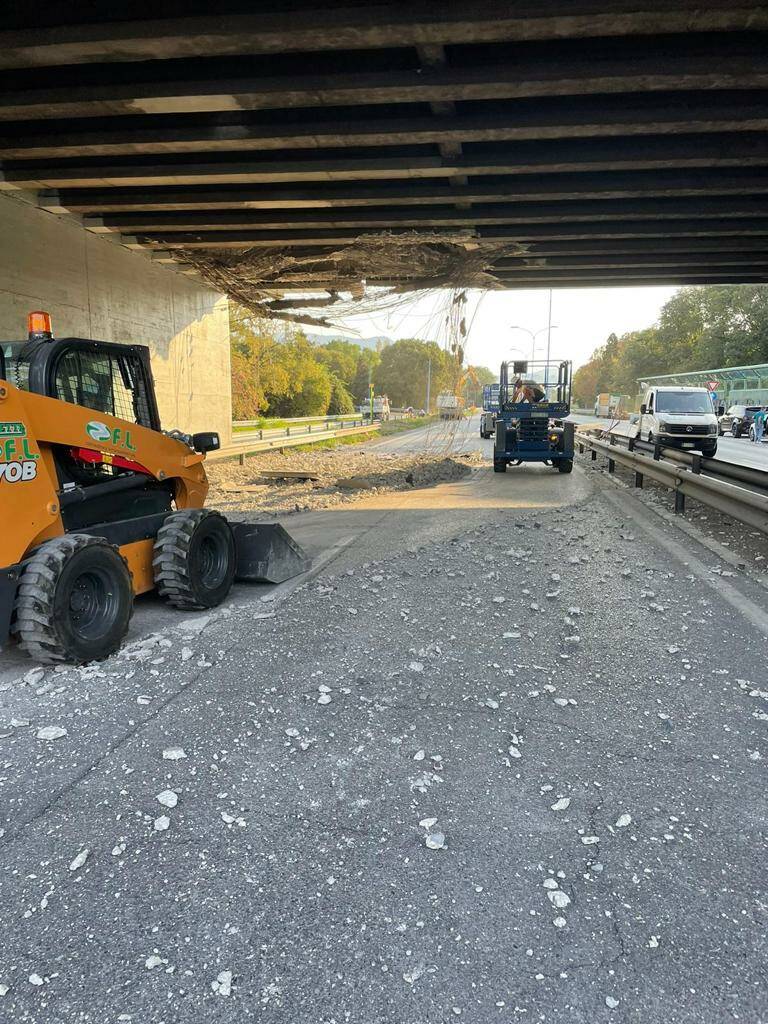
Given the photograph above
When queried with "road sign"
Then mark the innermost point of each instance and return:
(713, 385)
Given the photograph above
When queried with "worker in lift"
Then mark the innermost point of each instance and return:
(528, 391)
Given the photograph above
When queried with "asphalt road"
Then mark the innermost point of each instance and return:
(502, 760)
(740, 450)
(440, 436)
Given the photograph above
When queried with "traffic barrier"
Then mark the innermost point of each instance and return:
(286, 438)
(708, 481)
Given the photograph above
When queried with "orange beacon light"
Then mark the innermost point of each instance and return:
(39, 326)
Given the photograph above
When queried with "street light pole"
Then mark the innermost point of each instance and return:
(533, 334)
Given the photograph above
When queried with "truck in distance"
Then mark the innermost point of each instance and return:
(608, 406)
(490, 410)
(450, 406)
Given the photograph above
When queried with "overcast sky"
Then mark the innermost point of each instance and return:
(584, 318)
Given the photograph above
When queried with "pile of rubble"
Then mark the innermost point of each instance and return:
(295, 481)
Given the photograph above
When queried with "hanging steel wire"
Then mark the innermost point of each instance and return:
(376, 273)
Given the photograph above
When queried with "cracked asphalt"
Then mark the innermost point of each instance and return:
(453, 672)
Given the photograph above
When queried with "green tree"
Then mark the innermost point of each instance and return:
(341, 358)
(365, 372)
(698, 329)
(402, 372)
(341, 401)
(275, 370)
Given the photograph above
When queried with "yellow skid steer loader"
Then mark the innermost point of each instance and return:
(98, 504)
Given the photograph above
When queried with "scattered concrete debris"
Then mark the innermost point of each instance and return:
(222, 985)
(79, 860)
(51, 732)
(174, 754)
(435, 841)
(293, 481)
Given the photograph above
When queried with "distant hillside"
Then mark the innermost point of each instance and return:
(377, 343)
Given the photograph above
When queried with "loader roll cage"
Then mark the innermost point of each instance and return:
(105, 377)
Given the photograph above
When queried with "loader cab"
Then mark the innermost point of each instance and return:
(98, 375)
(106, 378)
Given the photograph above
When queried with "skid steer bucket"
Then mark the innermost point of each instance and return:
(266, 553)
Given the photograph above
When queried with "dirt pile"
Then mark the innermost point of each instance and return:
(333, 476)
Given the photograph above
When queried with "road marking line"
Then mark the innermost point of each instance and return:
(629, 504)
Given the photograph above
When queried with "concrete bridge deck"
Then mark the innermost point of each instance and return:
(620, 142)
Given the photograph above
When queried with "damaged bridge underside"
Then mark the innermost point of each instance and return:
(329, 147)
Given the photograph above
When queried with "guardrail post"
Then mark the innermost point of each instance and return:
(594, 455)
(287, 431)
(656, 451)
(611, 465)
(261, 435)
(581, 449)
(309, 429)
(695, 463)
(241, 460)
(638, 479)
(679, 502)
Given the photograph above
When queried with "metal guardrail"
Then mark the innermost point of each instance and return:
(298, 430)
(251, 445)
(316, 421)
(708, 481)
(299, 419)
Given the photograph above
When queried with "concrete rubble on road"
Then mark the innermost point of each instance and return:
(409, 799)
(324, 477)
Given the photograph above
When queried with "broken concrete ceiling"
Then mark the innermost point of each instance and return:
(562, 143)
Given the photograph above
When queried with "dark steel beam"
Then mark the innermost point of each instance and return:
(539, 76)
(544, 187)
(574, 155)
(375, 218)
(671, 279)
(525, 120)
(659, 260)
(520, 233)
(362, 27)
(597, 247)
(686, 269)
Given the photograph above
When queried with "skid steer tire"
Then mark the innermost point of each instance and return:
(74, 601)
(194, 559)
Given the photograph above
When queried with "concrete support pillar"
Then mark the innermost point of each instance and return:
(95, 288)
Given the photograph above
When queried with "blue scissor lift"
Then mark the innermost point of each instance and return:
(530, 423)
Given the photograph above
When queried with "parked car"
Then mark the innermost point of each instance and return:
(679, 417)
(737, 420)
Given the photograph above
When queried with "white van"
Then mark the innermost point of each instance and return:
(679, 418)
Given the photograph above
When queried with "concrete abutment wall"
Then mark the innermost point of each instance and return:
(94, 288)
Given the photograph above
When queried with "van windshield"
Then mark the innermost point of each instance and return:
(681, 402)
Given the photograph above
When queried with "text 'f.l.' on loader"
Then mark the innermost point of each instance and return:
(99, 505)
